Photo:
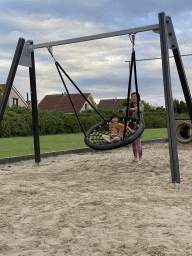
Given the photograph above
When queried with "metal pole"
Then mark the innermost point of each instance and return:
(179, 65)
(25, 57)
(98, 36)
(169, 100)
(34, 107)
(183, 80)
(11, 76)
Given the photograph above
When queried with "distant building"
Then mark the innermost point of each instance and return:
(62, 102)
(109, 103)
(15, 98)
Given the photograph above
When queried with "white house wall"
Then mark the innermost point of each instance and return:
(88, 106)
(12, 95)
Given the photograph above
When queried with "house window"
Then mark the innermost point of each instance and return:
(85, 106)
(15, 102)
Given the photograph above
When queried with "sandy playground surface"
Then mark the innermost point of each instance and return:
(97, 204)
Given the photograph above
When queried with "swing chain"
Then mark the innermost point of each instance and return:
(50, 50)
(132, 39)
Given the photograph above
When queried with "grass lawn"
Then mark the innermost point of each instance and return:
(18, 146)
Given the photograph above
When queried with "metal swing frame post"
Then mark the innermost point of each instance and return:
(21, 49)
(11, 76)
(32, 77)
(164, 40)
(179, 65)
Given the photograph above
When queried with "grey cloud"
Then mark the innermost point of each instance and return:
(98, 66)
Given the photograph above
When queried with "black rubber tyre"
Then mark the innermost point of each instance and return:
(183, 132)
(128, 138)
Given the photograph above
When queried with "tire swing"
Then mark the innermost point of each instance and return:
(93, 137)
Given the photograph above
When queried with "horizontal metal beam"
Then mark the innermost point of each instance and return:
(98, 36)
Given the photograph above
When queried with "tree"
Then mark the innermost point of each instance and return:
(124, 103)
(176, 106)
(161, 108)
(179, 107)
(147, 106)
(183, 107)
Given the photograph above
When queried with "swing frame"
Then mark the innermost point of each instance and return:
(24, 55)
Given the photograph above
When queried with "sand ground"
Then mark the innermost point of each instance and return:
(97, 204)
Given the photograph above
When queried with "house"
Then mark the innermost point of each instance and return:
(109, 103)
(15, 98)
(62, 102)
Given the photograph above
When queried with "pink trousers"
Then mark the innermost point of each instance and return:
(137, 148)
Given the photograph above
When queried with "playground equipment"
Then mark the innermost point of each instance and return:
(183, 126)
(93, 137)
(24, 55)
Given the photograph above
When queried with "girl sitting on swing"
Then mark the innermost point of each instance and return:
(117, 130)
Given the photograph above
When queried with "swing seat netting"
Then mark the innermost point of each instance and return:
(94, 138)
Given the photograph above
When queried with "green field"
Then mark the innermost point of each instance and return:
(18, 146)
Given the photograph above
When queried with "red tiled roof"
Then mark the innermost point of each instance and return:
(62, 102)
(110, 103)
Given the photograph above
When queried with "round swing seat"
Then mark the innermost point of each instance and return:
(94, 138)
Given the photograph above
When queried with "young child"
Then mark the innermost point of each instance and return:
(117, 130)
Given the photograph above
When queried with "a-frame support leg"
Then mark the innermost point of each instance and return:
(34, 107)
(174, 162)
(11, 76)
(179, 65)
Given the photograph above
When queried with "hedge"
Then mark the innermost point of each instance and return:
(155, 119)
(18, 121)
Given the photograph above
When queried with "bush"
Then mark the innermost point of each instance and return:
(13, 124)
(54, 122)
(47, 122)
(181, 115)
(89, 121)
(18, 121)
(71, 124)
(155, 119)
(104, 112)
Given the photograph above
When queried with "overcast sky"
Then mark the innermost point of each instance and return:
(97, 67)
